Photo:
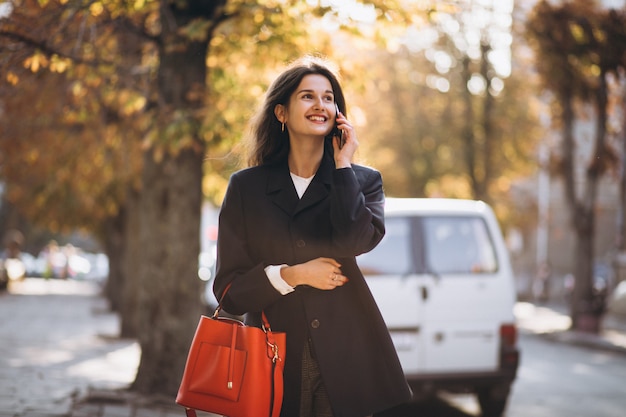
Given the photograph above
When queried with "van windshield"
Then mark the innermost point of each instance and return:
(432, 244)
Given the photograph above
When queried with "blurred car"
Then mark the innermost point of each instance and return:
(442, 279)
(11, 269)
(11, 265)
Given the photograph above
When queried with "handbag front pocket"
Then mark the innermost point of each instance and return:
(218, 370)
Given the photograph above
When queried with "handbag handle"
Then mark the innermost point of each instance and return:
(265, 325)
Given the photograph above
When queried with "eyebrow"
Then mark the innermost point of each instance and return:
(312, 91)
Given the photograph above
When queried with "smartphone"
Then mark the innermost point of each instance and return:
(336, 131)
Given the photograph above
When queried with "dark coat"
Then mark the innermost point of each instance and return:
(262, 222)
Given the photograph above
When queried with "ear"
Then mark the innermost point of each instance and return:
(279, 112)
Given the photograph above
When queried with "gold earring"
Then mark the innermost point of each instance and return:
(282, 129)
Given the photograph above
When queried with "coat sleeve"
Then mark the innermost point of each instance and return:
(250, 286)
(357, 210)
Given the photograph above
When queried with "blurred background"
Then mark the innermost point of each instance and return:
(121, 122)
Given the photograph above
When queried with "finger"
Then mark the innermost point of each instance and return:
(337, 279)
(330, 261)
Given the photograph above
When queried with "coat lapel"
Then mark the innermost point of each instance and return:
(319, 188)
(280, 188)
(281, 191)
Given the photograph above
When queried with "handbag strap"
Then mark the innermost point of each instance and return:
(219, 303)
(277, 391)
(265, 322)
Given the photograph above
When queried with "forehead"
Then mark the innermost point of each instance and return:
(315, 82)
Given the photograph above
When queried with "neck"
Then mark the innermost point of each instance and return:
(305, 159)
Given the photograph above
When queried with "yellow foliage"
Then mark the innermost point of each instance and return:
(503, 184)
(59, 64)
(96, 9)
(449, 186)
(32, 156)
(36, 61)
(12, 78)
(578, 33)
(78, 90)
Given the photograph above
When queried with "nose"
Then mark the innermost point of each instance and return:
(319, 103)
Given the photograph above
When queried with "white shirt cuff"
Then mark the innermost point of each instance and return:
(273, 274)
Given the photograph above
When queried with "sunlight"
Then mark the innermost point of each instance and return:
(467, 26)
(5, 9)
(117, 368)
(551, 321)
(464, 402)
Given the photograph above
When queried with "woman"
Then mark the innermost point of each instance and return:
(290, 228)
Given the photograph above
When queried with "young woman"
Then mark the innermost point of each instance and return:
(290, 228)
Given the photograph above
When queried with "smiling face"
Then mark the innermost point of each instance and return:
(311, 108)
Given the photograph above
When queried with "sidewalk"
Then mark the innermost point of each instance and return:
(60, 355)
(552, 321)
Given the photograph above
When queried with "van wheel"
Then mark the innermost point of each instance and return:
(493, 399)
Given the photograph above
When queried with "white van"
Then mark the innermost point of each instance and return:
(443, 281)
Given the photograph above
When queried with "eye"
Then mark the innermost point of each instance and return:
(307, 96)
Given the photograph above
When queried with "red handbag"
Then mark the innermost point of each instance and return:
(233, 370)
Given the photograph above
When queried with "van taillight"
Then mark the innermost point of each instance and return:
(508, 335)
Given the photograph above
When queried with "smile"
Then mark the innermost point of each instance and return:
(317, 118)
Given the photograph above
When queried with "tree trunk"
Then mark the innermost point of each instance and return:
(584, 311)
(468, 128)
(578, 216)
(619, 259)
(115, 248)
(587, 307)
(129, 312)
(170, 205)
(486, 71)
(169, 296)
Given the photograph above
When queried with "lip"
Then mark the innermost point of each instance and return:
(317, 118)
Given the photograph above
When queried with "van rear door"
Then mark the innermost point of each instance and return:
(463, 294)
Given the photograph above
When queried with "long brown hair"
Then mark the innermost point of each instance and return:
(269, 144)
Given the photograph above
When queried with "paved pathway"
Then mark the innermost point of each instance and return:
(58, 340)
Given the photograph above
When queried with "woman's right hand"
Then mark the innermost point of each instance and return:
(320, 273)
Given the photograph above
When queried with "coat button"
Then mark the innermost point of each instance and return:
(300, 243)
(315, 323)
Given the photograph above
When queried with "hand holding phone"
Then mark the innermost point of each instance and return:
(336, 131)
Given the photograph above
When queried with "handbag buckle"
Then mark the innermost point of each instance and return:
(274, 348)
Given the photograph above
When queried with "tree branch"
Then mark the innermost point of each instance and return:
(46, 48)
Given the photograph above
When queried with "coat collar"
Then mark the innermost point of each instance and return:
(281, 191)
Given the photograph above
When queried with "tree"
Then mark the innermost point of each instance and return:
(450, 140)
(577, 46)
(74, 156)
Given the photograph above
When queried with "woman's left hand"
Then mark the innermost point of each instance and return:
(343, 156)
